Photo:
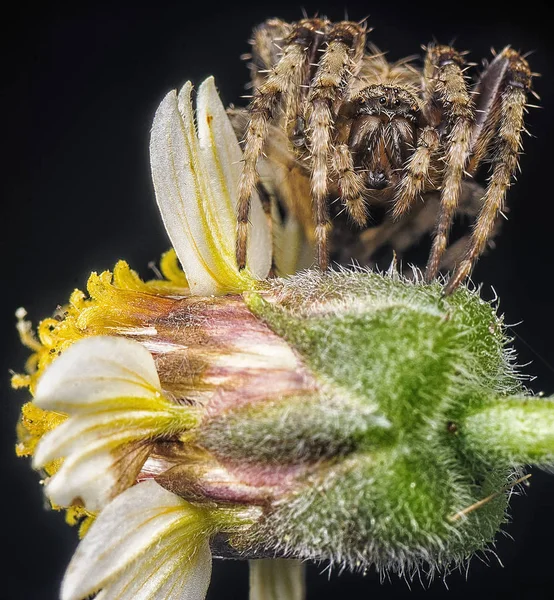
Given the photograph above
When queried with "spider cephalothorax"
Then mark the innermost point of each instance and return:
(331, 118)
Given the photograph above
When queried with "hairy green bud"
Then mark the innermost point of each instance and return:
(418, 416)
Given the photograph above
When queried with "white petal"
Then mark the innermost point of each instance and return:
(180, 186)
(136, 533)
(164, 573)
(77, 433)
(96, 370)
(196, 191)
(90, 481)
(289, 239)
(277, 579)
(95, 447)
(95, 473)
(223, 163)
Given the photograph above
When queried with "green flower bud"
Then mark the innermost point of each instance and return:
(408, 413)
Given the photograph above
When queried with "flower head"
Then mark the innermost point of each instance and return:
(354, 417)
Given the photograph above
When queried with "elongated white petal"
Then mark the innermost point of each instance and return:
(97, 472)
(180, 187)
(89, 482)
(192, 181)
(289, 240)
(96, 370)
(277, 579)
(77, 433)
(147, 544)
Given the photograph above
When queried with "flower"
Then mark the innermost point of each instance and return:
(100, 421)
(355, 417)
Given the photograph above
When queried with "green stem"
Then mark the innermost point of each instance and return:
(277, 579)
(519, 430)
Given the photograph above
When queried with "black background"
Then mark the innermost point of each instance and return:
(80, 85)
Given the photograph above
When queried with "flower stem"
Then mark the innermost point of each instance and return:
(277, 579)
(517, 429)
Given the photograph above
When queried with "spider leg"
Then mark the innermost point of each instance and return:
(516, 82)
(281, 174)
(338, 64)
(350, 183)
(416, 172)
(266, 49)
(282, 82)
(444, 77)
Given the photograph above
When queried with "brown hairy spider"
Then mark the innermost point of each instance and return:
(335, 119)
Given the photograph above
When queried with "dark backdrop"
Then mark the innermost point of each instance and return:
(80, 87)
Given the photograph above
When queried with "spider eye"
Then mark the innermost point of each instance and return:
(396, 102)
(382, 100)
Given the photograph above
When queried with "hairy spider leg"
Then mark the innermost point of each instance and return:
(444, 79)
(415, 174)
(509, 120)
(350, 183)
(338, 64)
(284, 80)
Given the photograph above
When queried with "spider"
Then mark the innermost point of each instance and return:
(330, 117)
